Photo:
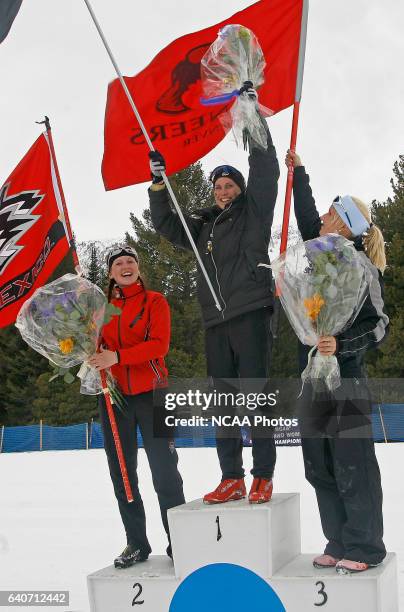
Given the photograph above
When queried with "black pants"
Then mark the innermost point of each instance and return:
(240, 349)
(346, 478)
(162, 457)
(341, 464)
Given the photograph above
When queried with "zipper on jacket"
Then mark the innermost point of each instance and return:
(152, 364)
(213, 259)
(120, 346)
(137, 318)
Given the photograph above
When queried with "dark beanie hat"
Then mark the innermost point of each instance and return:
(118, 251)
(229, 171)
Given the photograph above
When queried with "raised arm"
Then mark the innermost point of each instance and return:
(164, 219)
(262, 186)
(307, 217)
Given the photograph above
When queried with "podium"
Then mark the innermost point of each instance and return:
(263, 538)
(150, 584)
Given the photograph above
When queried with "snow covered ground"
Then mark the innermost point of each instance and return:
(59, 520)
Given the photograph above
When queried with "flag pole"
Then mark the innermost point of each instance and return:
(151, 147)
(289, 180)
(292, 146)
(110, 411)
(70, 236)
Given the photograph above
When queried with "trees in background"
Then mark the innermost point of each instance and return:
(388, 362)
(26, 395)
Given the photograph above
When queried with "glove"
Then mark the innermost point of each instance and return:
(249, 90)
(157, 166)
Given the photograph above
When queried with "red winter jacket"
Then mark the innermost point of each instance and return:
(141, 337)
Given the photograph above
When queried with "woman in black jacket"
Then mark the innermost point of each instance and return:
(339, 457)
(232, 238)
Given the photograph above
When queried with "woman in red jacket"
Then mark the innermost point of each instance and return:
(134, 344)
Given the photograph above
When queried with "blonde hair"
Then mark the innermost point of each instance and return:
(373, 241)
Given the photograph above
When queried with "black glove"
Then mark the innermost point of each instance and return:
(249, 90)
(157, 166)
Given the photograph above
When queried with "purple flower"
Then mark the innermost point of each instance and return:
(323, 244)
(48, 313)
(64, 300)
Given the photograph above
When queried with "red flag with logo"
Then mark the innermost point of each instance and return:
(33, 233)
(167, 94)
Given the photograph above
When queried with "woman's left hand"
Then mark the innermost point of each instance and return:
(104, 359)
(327, 345)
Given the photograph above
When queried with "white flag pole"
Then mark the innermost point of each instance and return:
(149, 142)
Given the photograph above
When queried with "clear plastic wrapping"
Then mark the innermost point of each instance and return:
(323, 284)
(62, 322)
(232, 59)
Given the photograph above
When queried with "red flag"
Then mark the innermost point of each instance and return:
(167, 95)
(33, 234)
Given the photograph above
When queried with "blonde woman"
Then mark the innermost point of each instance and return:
(343, 468)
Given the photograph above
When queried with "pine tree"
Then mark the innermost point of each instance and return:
(20, 368)
(58, 403)
(388, 362)
(94, 272)
(284, 357)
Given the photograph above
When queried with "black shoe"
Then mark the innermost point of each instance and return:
(130, 556)
(169, 551)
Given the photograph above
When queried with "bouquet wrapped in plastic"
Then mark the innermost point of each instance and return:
(234, 58)
(62, 322)
(323, 284)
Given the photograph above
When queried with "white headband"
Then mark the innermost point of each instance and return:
(350, 214)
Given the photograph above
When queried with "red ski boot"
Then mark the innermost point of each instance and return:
(228, 490)
(261, 491)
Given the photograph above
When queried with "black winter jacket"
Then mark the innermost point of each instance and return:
(371, 324)
(233, 243)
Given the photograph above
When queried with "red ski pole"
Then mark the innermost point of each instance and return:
(293, 138)
(117, 440)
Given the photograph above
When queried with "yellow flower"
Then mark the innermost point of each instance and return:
(66, 345)
(244, 33)
(313, 306)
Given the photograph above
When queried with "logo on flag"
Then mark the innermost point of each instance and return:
(16, 218)
(33, 234)
(186, 73)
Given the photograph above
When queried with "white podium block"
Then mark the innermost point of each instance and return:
(302, 587)
(150, 584)
(260, 537)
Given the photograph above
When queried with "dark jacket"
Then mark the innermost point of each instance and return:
(140, 335)
(233, 243)
(371, 324)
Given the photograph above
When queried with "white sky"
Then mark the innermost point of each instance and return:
(53, 62)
